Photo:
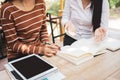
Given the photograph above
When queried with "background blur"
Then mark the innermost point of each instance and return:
(55, 8)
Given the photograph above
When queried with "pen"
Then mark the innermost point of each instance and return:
(50, 44)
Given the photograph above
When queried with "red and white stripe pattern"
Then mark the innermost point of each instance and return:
(25, 30)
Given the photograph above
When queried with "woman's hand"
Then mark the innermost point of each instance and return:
(50, 49)
(70, 28)
(100, 34)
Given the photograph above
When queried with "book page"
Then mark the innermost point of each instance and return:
(85, 46)
(72, 51)
(89, 45)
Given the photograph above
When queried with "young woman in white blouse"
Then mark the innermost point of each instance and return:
(85, 19)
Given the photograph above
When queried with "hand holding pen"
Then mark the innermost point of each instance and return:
(54, 45)
(50, 49)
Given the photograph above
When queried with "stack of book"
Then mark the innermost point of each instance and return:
(85, 49)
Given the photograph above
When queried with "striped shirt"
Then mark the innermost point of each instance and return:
(25, 31)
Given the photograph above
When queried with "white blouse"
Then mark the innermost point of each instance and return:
(82, 18)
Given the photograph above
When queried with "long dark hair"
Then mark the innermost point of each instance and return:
(97, 11)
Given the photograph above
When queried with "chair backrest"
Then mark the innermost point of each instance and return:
(3, 47)
(52, 21)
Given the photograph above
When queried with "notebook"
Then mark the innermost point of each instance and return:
(85, 49)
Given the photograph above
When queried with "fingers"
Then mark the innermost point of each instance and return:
(70, 28)
(53, 46)
(50, 53)
(103, 33)
(56, 46)
(50, 50)
(96, 35)
(66, 26)
(100, 34)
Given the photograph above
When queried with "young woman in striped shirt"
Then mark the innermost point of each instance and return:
(24, 25)
(85, 19)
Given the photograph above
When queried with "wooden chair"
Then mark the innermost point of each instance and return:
(57, 21)
(3, 49)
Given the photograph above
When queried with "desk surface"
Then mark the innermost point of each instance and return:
(103, 67)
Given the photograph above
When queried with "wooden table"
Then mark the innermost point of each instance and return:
(2, 63)
(4, 75)
(102, 67)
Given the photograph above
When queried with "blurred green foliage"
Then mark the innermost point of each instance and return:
(118, 4)
(114, 3)
(53, 7)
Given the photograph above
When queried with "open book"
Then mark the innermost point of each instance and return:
(85, 49)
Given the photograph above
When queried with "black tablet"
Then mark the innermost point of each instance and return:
(32, 67)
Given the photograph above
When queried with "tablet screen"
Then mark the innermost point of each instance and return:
(31, 66)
